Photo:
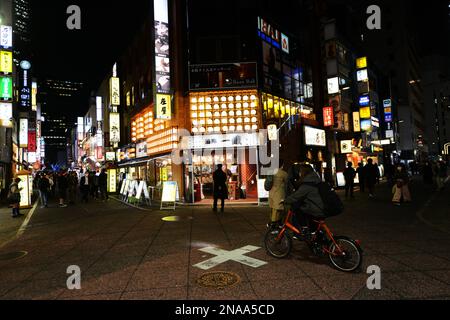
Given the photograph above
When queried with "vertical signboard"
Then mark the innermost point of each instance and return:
(6, 61)
(31, 141)
(164, 106)
(328, 117)
(6, 88)
(162, 55)
(387, 105)
(6, 36)
(356, 122)
(34, 96)
(114, 87)
(114, 127)
(23, 133)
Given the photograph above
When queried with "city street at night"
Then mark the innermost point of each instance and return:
(125, 253)
(228, 159)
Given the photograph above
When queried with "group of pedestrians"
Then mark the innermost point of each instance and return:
(435, 173)
(368, 176)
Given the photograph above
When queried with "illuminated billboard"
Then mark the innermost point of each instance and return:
(6, 62)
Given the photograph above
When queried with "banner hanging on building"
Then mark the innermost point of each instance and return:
(114, 127)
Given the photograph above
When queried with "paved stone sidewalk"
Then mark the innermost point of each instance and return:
(126, 253)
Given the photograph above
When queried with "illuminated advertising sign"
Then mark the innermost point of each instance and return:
(162, 46)
(333, 85)
(356, 122)
(6, 36)
(346, 146)
(315, 137)
(387, 104)
(114, 127)
(34, 96)
(31, 141)
(361, 63)
(362, 75)
(114, 87)
(328, 117)
(99, 109)
(110, 156)
(163, 106)
(6, 111)
(364, 101)
(271, 35)
(112, 180)
(6, 88)
(375, 122)
(364, 113)
(366, 125)
(23, 133)
(272, 132)
(6, 62)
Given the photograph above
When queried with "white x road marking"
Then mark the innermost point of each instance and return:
(237, 255)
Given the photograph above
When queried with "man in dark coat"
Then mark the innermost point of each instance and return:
(102, 184)
(220, 187)
(371, 176)
(349, 175)
(361, 176)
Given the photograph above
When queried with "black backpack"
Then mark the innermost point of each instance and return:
(268, 184)
(333, 205)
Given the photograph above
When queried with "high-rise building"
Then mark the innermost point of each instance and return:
(21, 29)
(58, 98)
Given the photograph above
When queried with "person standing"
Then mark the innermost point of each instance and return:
(220, 187)
(277, 194)
(349, 175)
(14, 198)
(44, 189)
(62, 188)
(102, 184)
(85, 182)
(401, 189)
(371, 176)
(73, 186)
(361, 176)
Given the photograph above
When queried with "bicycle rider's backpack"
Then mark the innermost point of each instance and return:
(268, 184)
(333, 205)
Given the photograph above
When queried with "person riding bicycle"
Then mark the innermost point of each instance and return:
(304, 198)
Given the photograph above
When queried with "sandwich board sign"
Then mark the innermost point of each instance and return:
(169, 195)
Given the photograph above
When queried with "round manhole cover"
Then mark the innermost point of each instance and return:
(13, 255)
(218, 280)
(176, 219)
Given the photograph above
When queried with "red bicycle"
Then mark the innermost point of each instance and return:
(344, 253)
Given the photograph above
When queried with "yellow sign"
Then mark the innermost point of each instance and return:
(164, 106)
(112, 180)
(356, 122)
(364, 113)
(114, 87)
(361, 63)
(6, 62)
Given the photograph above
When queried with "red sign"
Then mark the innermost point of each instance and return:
(328, 117)
(31, 141)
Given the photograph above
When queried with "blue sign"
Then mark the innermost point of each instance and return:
(364, 101)
(388, 117)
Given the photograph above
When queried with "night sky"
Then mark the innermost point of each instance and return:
(88, 54)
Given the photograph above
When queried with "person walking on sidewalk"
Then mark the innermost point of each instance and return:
(349, 175)
(102, 184)
(14, 198)
(85, 182)
(220, 187)
(277, 194)
(361, 176)
(44, 188)
(427, 172)
(400, 189)
(371, 175)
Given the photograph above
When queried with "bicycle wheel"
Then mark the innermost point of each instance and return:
(277, 248)
(349, 259)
